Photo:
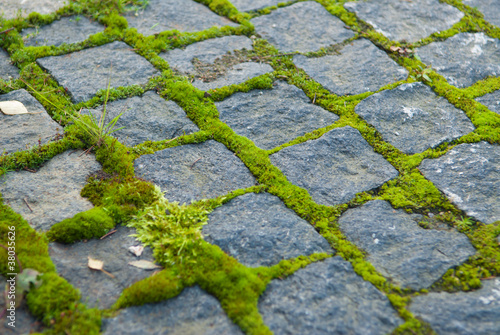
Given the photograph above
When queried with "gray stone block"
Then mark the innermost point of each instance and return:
(53, 192)
(469, 175)
(191, 312)
(489, 8)
(413, 118)
(399, 248)
(22, 131)
(305, 26)
(7, 70)
(259, 230)
(360, 67)
(406, 20)
(334, 167)
(10, 8)
(245, 5)
(464, 58)
(85, 72)
(491, 100)
(462, 313)
(195, 171)
(327, 297)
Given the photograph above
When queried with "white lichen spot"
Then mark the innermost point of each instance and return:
(487, 300)
(455, 198)
(376, 241)
(476, 50)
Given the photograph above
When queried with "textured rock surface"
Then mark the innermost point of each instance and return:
(326, 298)
(462, 313)
(489, 8)
(148, 117)
(24, 130)
(334, 167)
(85, 72)
(7, 70)
(469, 175)
(491, 100)
(98, 289)
(305, 26)
(412, 118)
(406, 20)
(259, 230)
(53, 192)
(464, 58)
(359, 68)
(273, 117)
(245, 5)
(76, 29)
(10, 8)
(191, 312)
(182, 15)
(399, 248)
(194, 171)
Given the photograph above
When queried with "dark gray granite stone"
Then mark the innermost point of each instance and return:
(97, 288)
(7, 70)
(259, 230)
(247, 5)
(491, 100)
(182, 15)
(76, 29)
(334, 167)
(399, 248)
(23, 131)
(53, 192)
(406, 20)
(469, 175)
(10, 8)
(195, 171)
(327, 298)
(462, 313)
(146, 118)
(464, 58)
(85, 72)
(193, 312)
(273, 117)
(360, 67)
(305, 26)
(489, 8)
(413, 118)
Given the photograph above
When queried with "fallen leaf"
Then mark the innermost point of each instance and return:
(394, 48)
(96, 264)
(136, 250)
(13, 108)
(145, 265)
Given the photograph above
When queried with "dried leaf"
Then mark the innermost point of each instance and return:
(394, 48)
(136, 250)
(95, 264)
(13, 108)
(145, 265)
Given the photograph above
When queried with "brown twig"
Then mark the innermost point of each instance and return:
(194, 163)
(32, 171)
(6, 31)
(106, 235)
(86, 151)
(26, 202)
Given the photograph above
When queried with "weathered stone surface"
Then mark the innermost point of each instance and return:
(406, 20)
(491, 100)
(464, 58)
(85, 72)
(182, 15)
(469, 175)
(53, 192)
(245, 5)
(489, 8)
(326, 298)
(273, 117)
(259, 230)
(76, 29)
(334, 167)
(462, 313)
(399, 248)
(10, 8)
(22, 131)
(413, 118)
(194, 171)
(7, 70)
(360, 67)
(98, 289)
(191, 312)
(305, 26)
(148, 117)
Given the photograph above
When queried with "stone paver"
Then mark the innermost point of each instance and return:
(305, 26)
(413, 118)
(245, 5)
(273, 117)
(489, 8)
(491, 100)
(11, 8)
(8, 71)
(360, 67)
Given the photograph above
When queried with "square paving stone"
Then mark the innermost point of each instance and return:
(413, 257)
(489, 8)
(10, 8)
(491, 100)
(413, 118)
(469, 175)
(273, 117)
(7, 70)
(52, 194)
(85, 72)
(195, 171)
(305, 26)
(182, 15)
(21, 131)
(76, 29)
(406, 20)
(463, 59)
(327, 297)
(247, 5)
(259, 230)
(360, 67)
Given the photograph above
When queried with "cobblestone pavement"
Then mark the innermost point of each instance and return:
(258, 167)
